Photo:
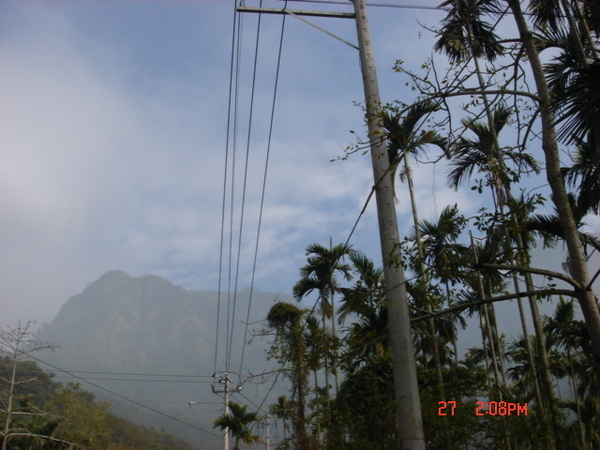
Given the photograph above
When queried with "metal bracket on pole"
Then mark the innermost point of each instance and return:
(308, 22)
(222, 387)
(297, 13)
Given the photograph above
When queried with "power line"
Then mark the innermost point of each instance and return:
(264, 184)
(139, 374)
(316, 302)
(138, 380)
(235, 28)
(245, 182)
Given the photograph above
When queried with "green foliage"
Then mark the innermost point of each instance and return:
(460, 427)
(126, 435)
(365, 406)
(289, 349)
(238, 423)
(81, 418)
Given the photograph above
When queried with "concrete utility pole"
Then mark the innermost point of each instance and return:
(268, 437)
(408, 413)
(410, 424)
(223, 387)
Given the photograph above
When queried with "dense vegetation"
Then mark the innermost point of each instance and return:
(523, 121)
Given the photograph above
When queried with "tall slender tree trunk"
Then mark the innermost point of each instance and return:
(573, 381)
(327, 396)
(334, 349)
(424, 281)
(315, 372)
(504, 196)
(547, 404)
(578, 263)
(492, 340)
(11, 393)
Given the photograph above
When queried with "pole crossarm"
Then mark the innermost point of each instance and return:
(298, 15)
(321, 29)
(296, 12)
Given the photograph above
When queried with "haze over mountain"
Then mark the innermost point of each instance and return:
(122, 332)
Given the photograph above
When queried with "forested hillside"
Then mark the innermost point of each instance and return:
(36, 412)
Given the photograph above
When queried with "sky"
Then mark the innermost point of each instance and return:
(114, 135)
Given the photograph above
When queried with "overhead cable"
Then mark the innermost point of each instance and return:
(264, 184)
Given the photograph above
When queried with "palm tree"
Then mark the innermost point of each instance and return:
(484, 155)
(549, 228)
(283, 410)
(238, 423)
(290, 348)
(551, 149)
(366, 295)
(404, 140)
(318, 343)
(367, 337)
(572, 73)
(465, 34)
(585, 173)
(319, 274)
(442, 255)
(569, 335)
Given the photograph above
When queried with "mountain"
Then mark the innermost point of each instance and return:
(148, 347)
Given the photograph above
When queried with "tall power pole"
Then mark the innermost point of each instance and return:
(408, 403)
(408, 412)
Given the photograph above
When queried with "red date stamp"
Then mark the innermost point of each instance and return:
(448, 408)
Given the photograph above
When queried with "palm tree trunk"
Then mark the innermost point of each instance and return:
(327, 399)
(433, 335)
(576, 398)
(454, 333)
(504, 196)
(536, 384)
(488, 328)
(318, 407)
(334, 349)
(578, 263)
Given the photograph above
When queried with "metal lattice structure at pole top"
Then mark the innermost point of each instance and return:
(222, 386)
